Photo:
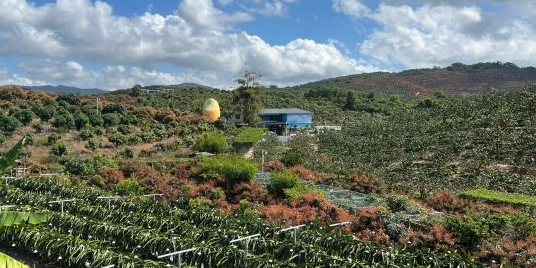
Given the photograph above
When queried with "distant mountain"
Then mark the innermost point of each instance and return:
(457, 79)
(177, 86)
(66, 89)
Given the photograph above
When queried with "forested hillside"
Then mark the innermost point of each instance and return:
(456, 79)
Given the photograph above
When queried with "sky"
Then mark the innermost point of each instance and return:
(115, 44)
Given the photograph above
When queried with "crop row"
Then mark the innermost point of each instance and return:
(197, 228)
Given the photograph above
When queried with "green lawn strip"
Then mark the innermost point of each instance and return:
(500, 197)
(249, 135)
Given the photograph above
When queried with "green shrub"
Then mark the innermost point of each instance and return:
(95, 119)
(30, 137)
(2, 138)
(100, 161)
(125, 129)
(292, 158)
(53, 138)
(93, 143)
(477, 227)
(58, 149)
(398, 203)
(75, 166)
(134, 139)
(87, 133)
(81, 120)
(300, 190)
(9, 124)
(111, 120)
(113, 108)
(234, 169)
(25, 116)
(70, 98)
(46, 113)
(199, 203)
(282, 181)
(160, 133)
(117, 139)
(63, 120)
(128, 152)
(98, 181)
(129, 187)
(211, 142)
(88, 166)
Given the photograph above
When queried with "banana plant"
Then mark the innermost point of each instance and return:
(9, 158)
(8, 262)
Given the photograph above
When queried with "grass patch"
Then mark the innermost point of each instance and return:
(500, 197)
(249, 135)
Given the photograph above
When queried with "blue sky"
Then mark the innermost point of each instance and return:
(115, 44)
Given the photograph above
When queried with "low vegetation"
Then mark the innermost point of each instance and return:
(437, 181)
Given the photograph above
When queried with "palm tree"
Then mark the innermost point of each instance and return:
(247, 96)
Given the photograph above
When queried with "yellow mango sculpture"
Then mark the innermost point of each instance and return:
(211, 110)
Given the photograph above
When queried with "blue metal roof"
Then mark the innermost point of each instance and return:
(284, 111)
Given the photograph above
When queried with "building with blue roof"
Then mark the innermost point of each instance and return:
(287, 119)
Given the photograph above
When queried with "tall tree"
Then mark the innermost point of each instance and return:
(247, 96)
(350, 101)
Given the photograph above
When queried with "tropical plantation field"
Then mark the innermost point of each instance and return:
(129, 178)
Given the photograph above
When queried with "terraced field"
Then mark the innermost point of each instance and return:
(133, 232)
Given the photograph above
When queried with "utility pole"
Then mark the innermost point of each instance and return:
(263, 152)
(98, 106)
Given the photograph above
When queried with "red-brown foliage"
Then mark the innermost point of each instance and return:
(448, 202)
(281, 214)
(153, 180)
(111, 177)
(146, 112)
(438, 238)
(307, 174)
(378, 236)
(165, 116)
(274, 166)
(521, 253)
(183, 172)
(307, 208)
(368, 218)
(191, 119)
(366, 184)
(250, 191)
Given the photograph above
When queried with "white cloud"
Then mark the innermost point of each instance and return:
(198, 37)
(429, 35)
(202, 13)
(8, 78)
(110, 77)
(352, 8)
(263, 7)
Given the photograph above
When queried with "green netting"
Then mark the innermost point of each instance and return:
(263, 178)
(342, 197)
(347, 198)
